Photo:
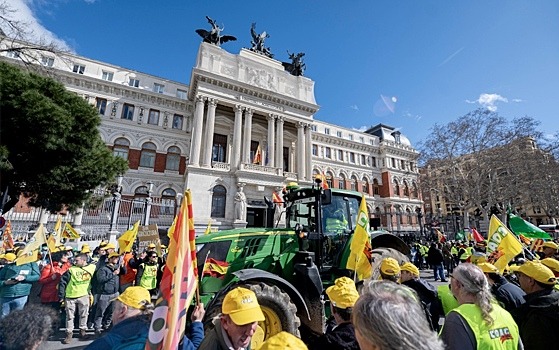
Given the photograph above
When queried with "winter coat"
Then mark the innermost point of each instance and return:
(508, 294)
(538, 320)
(49, 286)
(106, 282)
(20, 289)
(340, 338)
(131, 330)
(435, 256)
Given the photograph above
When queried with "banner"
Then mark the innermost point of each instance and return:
(522, 227)
(502, 245)
(147, 235)
(360, 248)
(178, 284)
(126, 240)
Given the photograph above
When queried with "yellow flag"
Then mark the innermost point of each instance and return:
(360, 248)
(38, 239)
(27, 258)
(209, 228)
(126, 240)
(502, 245)
(70, 232)
(58, 225)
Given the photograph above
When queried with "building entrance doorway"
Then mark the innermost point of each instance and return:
(256, 217)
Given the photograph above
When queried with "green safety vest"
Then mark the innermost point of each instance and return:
(502, 334)
(149, 277)
(448, 300)
(424, 250)
(80, 281)
(453, 251)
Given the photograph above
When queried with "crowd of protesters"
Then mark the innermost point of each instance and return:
(108, 296)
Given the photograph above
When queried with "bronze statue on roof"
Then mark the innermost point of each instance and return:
(258, 42)
(214, 35)
(296, 67)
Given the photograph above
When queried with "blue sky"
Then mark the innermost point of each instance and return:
(409, 64)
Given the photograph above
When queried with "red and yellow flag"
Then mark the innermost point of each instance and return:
(440, 236)
(257, 156)
(70, 232)
(360, 248)
(179, 282)
(8, 240)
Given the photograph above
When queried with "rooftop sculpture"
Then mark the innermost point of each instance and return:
(258, 42)
(296, 67)
(214, 35)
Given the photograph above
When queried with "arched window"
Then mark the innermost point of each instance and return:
(173, 158)
(406, 189)
(168, 201)
(121, 147)
(354, 183)
(376, 189)
(365, 185)
(396, 188)
(147, 157)
(341, 182)
(414, 193)
(138, 204)
(329, 177)
(408, 216)
(219, 195)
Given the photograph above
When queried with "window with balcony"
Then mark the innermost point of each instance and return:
(147, 156)
(168, 201)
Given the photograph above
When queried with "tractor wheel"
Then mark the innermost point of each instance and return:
(381, 253)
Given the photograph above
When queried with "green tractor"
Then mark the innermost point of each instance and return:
(288, 268)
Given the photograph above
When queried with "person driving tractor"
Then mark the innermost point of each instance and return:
(336, 221)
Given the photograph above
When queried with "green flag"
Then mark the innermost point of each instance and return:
(460, 236)
(520, 226)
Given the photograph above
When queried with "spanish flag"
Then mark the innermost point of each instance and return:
(360, 248)
(178, 284)
(257, 156)
(441, 236)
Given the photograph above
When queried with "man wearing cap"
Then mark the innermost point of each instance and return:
(148, 272)
(549, 249)
(107, 283)
(343, 295)
(538, 317)
(235, 326)
(508, 294)
(390, 270)
(104, 252)
(15, 283)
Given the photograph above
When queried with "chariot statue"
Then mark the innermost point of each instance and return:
(296, 67)
(257, 42)
(214, 35)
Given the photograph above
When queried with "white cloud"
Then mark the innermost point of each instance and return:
(489, 101)
(23, 12)
(517, 100)
(362, 128)
(354, 107)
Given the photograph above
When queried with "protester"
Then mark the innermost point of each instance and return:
(15, 283)
(26, 329)
(74, 291)
(549, 249)
(509, 295)
(538, 317)
(388, 316)
(343, 295)
(284, 341)
(104, 253)
(50, 278)
(107, 287)
(390, 270)
(479, 322)
(147, 273)
(235, 326)
(435, 258)
(448, 301)
(127, 272)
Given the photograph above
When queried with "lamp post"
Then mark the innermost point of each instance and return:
(420, 221)
(147, 210)
(178, 202)
(116, 189)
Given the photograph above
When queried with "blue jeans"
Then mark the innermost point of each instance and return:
(438, 270)
(10, 304)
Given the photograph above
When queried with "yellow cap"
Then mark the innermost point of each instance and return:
(389, 266)
(163, 246)
(283, 340)
(477, 258)
(410, 268)
(513, 268)
(487, 267)
(343, 293)
(151, 245)
(85, 249)
(10, 257)
(113, 254)
(103, 243)
(242, 306)
(108, 246)
(538, 271)
(135, 296)
(551, 245)
(552, 264)
(2, 256)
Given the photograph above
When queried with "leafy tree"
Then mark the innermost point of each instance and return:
(51, 150)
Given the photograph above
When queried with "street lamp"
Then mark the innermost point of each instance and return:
(147, 210)
(116, 192)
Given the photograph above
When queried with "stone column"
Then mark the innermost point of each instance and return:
(301, 151)
(210, 125)
(279, 144)
(270, 149)
(308, 152)
(197, 132)
(237, 133)
(248, 136)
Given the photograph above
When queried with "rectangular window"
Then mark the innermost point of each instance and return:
(108, 76)
(352, 157)
(127, 111)
(78, 68)
(101, 104)
(350, 137)
(313, 128)
(372, 141)
(153, 117)
(403, 164)
(361, 139)
(286, 159)
(314, 150)
(47, 61)
(133, 82)
(219, 148)
(340, 155)
(363, 160)
(181, 94)
(177, 121)
(158, 88)
(327, 131)
(373, 162)
(328, 152)
(393, 162)
(339, 133)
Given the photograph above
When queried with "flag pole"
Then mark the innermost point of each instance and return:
(48, 249)
(200, 279)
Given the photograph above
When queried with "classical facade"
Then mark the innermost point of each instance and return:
(242, 128)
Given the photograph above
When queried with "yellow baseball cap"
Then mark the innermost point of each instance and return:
(410, 268)
(85, 249)
(242, 306)
(151, 245)
(389, 266)
(283, 340)
(487, 267)
(108, 246)
(343, 293)
(538, 271)
(113, 254)
(552, 264)
(513, 268)
(551, 245)
(135, 296)
(10, 257)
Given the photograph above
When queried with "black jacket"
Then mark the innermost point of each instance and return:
(106, 282)
(435, 256)
(342, 338)
(538, 320)
(508, 294)
(429, 298)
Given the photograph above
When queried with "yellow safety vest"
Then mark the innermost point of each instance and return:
(80, 281)
(149, 277)
(448, 300)
(502, 334)
(453, 251)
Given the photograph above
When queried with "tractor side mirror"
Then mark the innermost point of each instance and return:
(326, 197)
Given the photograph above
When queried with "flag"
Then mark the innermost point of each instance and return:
(322, 178)
(525, 240)
(127, 239)
(460, 236)
(537, 245)
(38, 239)
(208, 228)
(477, 236)
(70, 232)
(502, 245)
(178, 284)
(276, 198)
(27, 258)
(8, 240)
(523, 227)
(54, 240)
(257, 156)
(215, 268)
(441, 236)
(360, 248)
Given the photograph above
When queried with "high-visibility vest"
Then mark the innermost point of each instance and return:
(149, 277)
(502, 334)
(453, 251)
(448, 300)
(80, 281)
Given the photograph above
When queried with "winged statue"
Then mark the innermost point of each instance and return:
(258, 42)
(214, 36)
